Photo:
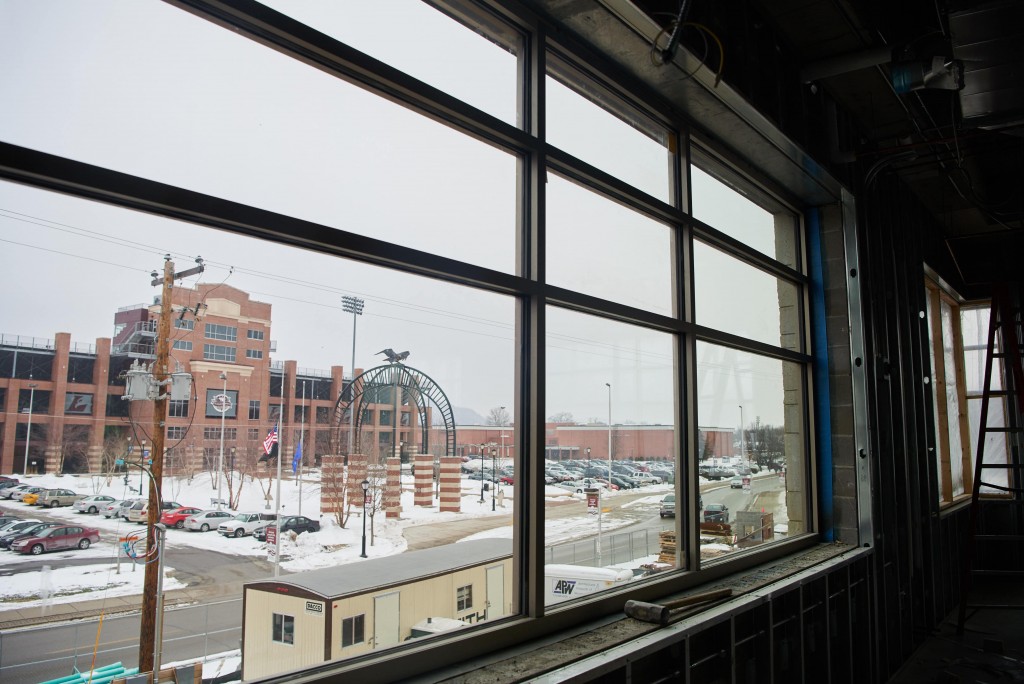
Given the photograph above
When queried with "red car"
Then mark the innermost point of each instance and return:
(57, 539)
(178, 516)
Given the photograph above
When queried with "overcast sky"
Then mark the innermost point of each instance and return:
(142, 87)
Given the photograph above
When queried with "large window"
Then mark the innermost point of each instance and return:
(600, 353)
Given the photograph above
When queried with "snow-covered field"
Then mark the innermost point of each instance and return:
(333, 545)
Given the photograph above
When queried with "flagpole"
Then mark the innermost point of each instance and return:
(277, 507)
(302, 435)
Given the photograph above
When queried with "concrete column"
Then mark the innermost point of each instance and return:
(424, 466)
(393, 489)
(451, 484)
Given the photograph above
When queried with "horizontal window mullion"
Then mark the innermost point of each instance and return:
(570, 299)
(594, 178)
(291, 37)
(745, 253)
(724, 339)
(79, 179)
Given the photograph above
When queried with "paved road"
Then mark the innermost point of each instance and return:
(45, 652)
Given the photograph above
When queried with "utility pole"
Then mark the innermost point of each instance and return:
(161, 376)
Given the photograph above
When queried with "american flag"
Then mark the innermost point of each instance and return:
(271, 440)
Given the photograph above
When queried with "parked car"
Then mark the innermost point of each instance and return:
(113, 509)
(299, 523)
(645, 478)
(93, 504)
(30, 498)
(716, 512)
(736, 483)
(7, 539)
(11, 491)
(176, 517)
(668, 506)
(20, 496)
(126, 506)
(715, 473)
(51, 498)
(139, 511)
(244, 523)
(667, 476)
(6, 482)
(57, 538)
(4, 519)
(18, 526)
(204, 521)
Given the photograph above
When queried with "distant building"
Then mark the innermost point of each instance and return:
(79, 423)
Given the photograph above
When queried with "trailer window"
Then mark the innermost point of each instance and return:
(352, 630)
(284, 629)
(464, 598)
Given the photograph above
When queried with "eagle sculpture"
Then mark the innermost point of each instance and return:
(392, 357)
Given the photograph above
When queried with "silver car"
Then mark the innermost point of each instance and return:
(93, 504)
(207, 520)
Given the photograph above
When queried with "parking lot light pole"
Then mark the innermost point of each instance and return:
(365, 484)
(494, 457)
(28, 432)
(223, 412)
(482, 448)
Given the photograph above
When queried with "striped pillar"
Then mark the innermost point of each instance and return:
(332, 483)
(424, 495)
(356, 474)
(451, 484)
(393, 488)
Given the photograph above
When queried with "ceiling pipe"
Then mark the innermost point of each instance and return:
(844, 64)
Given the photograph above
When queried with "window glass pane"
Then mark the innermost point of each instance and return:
(734, 297)
(481, 70)
(766, 398)
(593, 125)
(595, 368)
(937, 414)
(461, 345)
(974, 332)
(203, 108)
(744, 214)
(628, 257)
(952, 399)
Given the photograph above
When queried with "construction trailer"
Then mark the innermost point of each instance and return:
(308, 618)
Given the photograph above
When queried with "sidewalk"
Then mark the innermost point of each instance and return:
(14, 617)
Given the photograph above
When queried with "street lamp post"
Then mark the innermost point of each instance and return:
(482, 448)
(743, 450)
(588, 460)
(609, 386)
(28, 432)
(354, 306)
(365, 484)
(494, 456)
(223, 412)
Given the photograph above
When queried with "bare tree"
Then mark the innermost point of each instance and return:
(377, 477)
(74, 443)
(561, 417)
(498, 416)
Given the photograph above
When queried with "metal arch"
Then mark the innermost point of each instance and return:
(415, 385)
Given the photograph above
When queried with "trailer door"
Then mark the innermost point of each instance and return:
(385, 620)
(495, 592)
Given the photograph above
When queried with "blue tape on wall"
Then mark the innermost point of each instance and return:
(822, 409)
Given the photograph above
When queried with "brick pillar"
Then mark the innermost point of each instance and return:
(451, 484)
(356, 474)
(424, 480)
(393, 488)
(332, 483)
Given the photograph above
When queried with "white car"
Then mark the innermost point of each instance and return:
(244, 524)
(112, 509)
(93, 504)
(207, 520)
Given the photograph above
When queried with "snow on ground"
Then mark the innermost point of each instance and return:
(59, 585)
(333, 545)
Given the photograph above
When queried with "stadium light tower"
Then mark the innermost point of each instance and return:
(354, 306)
